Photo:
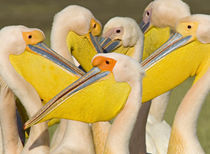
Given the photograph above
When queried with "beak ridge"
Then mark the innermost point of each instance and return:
(144, 26)
(174, 42)
(48, 53)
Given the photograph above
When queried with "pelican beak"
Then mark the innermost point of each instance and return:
(94, 42)
(34, 39)
(92, 76)
(45, 51)
(108, 44)
(83, 48)
(103, 44)
(174, 42)
(145, 26)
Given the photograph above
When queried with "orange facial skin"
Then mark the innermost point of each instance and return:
(104, 63)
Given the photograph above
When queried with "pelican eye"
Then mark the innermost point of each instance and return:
(147, 13)
(29, 36)
(107, 62)
(189, 26)
(118, 31)
(94, 26)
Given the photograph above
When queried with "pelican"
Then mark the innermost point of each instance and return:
(196, 49)
(156, 33)
(14, 41)
(183, 135)
(11, 143)
(125, 70)
(73, 37)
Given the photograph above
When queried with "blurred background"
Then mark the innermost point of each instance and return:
(39, 14)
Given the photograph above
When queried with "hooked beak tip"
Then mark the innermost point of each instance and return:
(25, 127)
(144, 26)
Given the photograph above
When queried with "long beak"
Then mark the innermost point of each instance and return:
(174, 42)
(92, 76)
(144, 26)
(48, 53)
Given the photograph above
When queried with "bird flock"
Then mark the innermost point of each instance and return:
(106, 88)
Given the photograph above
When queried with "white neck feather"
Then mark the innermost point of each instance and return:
(8, 123)
(58, 40)
(139, 50)
(77, 136)
(120, 132)
(20, 87)
(187, 114)
(30, 100)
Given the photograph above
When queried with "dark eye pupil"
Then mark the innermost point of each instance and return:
(94, 26)
(147, 13)
(189, 26)
(118, 31)
(107, 62)
(30, 36)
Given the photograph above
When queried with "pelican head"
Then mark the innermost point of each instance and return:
(163, 13)
(124, 68)
(15, 39)
(127, 32)
(189, 29)
(77, 19)
(197, 26)
(73, 30)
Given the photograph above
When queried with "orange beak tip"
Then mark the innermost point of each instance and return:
(25, 127)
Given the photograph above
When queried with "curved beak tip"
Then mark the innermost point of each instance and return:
(25, 127)
(144, 26)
